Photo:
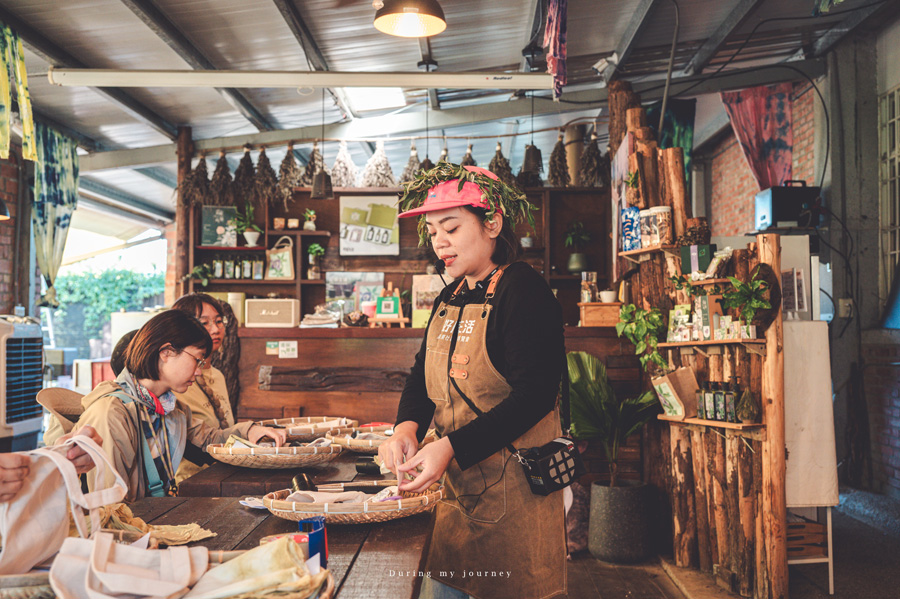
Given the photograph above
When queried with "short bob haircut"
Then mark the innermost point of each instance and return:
(508, 248)
(192, 304)
(172, 327)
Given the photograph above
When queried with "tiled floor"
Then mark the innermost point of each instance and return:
(590, 578)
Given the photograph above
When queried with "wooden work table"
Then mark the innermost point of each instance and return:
(366, 560)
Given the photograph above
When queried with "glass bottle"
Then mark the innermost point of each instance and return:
(710, 401)
(217, 266)
(247, 267)
(229, 267)
(237, 267)
(731, 397)
(719, 394)
(259, 267)
(701, 401)
(588, 286)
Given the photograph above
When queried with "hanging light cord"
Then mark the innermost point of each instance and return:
(532, 118)
(426, 128)
(323, 128)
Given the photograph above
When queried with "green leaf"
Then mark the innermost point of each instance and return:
(620, 326)
(640, 348)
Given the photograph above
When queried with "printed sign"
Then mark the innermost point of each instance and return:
(369, 226)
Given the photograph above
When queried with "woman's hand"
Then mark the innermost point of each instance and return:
(402, 446)
(13, 471)
(433, 459)
(81, 460)
(257, 432)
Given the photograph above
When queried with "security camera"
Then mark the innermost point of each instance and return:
(603, 64)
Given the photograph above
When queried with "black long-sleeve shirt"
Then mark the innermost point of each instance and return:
(525, 342)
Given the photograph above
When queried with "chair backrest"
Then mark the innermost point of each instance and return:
(64, 404)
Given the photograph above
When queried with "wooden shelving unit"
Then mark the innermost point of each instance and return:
(638, 256)
(737, 426)
(713, 342)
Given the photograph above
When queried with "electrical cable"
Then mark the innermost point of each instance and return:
(665, 98)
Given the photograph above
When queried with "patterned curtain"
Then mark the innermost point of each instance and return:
(677, 130)
(55, 196)
(761, 119)
(555, 41)
(12, 65)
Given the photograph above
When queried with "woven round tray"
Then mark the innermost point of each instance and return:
(354, 513)
(273, 457)
(342, 437)
(305, 429)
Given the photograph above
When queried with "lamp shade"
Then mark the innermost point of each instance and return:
(533, 162)
(321, 188)
(410, 18)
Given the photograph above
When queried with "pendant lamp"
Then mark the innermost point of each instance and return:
(321, 187)
(410, 18)
(533, 162)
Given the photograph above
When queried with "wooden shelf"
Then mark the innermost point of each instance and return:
(709, 282)
(713, 342)
(253, 281)
(239, 248)
(644, 253)
(312, 281)
(299, 232)
(737, 426)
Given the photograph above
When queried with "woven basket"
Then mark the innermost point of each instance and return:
(354, 513)
(304, 430)
(341, 437)
(35, 585)
(273, 457)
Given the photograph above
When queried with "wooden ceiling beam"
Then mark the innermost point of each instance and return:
(843, 28)
(714, 42)
(629, 38)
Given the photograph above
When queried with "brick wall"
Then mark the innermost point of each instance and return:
(733, 185)
(882, 389)
(9, 190)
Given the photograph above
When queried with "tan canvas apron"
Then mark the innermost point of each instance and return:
(493, 538)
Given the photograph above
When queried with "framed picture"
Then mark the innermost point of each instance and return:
(369, 226)
(215, 226)
(345, 290)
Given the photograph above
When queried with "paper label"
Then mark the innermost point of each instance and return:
(287, 349)
(271, 348)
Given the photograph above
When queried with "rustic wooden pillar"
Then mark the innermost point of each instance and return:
(747, 510)
(773, 481)
(673, 163)
(731, 506)
(635, 119)
(574, 147)
(639, 195)
(621, 98)
(648, 151)
(184, 153)
(701, 505)
(709, 439)
(683, 510)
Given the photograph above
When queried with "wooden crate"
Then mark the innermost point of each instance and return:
(597, 314)
(806, 539)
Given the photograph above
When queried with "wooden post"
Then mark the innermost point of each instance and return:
(621, 98)
(184, 153)
(637, 197)
(574, 146)
(773, 475)
(747, 511)
(676, 188)
(649, 165)
(635, 119)
(683, 511)
(731, 505)
(701, 505)
(709, 472)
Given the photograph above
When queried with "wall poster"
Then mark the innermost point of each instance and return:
(369, 226)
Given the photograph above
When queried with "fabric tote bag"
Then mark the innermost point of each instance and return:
(35, 523)
(280, 259)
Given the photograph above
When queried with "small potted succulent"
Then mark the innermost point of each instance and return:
(310, 223)
(315, 251)
(244, 223)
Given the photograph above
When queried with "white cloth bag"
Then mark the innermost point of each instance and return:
(35, 523)
(99, 568)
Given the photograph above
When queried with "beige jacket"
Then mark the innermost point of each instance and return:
(116, 423)
(202, 409)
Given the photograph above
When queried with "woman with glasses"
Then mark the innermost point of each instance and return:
(144, 427)
(208, 396)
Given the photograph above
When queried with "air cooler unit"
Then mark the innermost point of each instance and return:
(21, 370)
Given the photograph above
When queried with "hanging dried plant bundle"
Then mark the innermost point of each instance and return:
(195, 187)
(559, 170)
(412, 167)
(315, 164)
(244, 186)
(288, 177)
(378, 171)
(590, 164)
(605, 171)
(266, 181)
(468, 159)
(529, 179)
(220, 187)
(425, 165)
(344, 172)
(445, 153)
(499, 165)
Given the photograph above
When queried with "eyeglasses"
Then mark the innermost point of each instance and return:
(218, 322)
(200, 362)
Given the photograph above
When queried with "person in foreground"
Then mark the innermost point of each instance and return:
(208, 396)
(495, 337)
(143, 426)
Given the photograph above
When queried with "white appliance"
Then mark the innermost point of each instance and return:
(21, 377)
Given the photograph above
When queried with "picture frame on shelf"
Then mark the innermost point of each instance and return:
(216, 228)
(388, 306)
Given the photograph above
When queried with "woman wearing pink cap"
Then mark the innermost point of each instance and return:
(488, 373)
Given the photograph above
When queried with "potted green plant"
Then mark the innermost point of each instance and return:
(244, 223)
(310, 223)
(201, 272)
(642, 328)
(620, 515)
(576, 238)
(747, 299)
(315, 252)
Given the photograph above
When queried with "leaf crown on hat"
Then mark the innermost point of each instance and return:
(497, 195)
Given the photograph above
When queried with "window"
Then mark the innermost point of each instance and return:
(889, 187)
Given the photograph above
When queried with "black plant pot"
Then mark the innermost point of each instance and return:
(621, 521)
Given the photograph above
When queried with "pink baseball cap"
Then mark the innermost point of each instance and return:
(445, 195)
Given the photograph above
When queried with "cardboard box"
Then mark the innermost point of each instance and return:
(677, 392)
(597, 314)
(696, 258)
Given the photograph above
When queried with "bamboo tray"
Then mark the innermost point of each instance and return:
(341, 437)
(273, 457)
(306, 429)
(354, 513)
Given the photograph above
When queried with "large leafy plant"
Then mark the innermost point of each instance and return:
(498, 196)
(747, 298)
(245, 220)
(576, 235)
(597, 414)
(642, 328)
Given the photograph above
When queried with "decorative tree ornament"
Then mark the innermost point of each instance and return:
(316, 163)
(244, 187)
(499, 165)
(288, 177)
(344, 171)
(220, 187)
(590, 164)
(378, 171)
(266, 181)
(468, 159)
(412, 167)
(195, 187)
(559, 170)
